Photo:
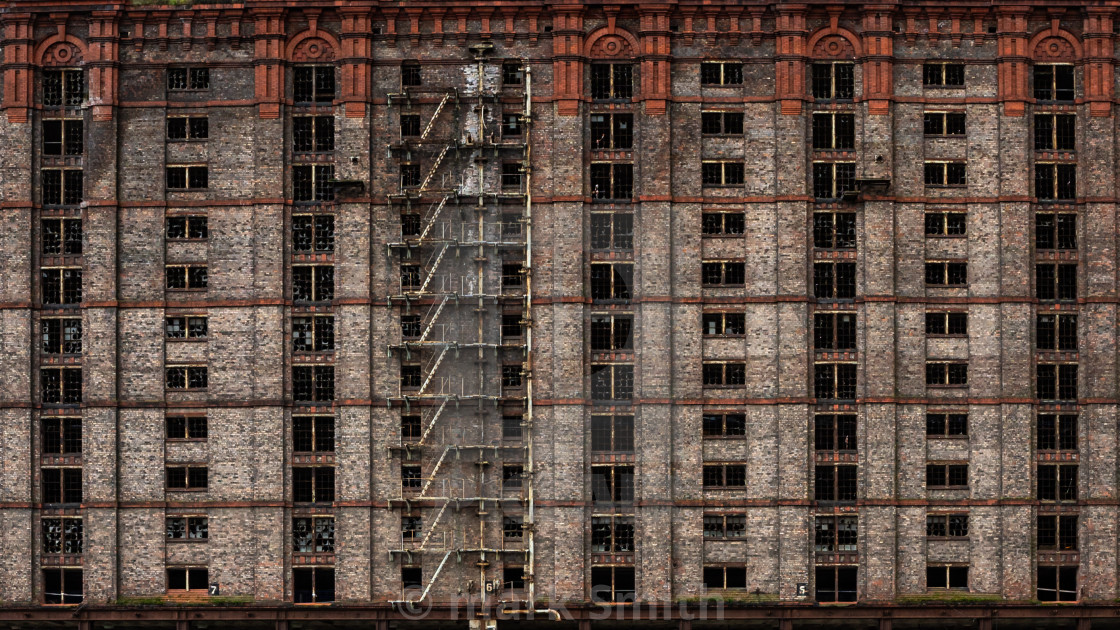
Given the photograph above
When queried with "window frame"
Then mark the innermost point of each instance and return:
(833, 139)
(192, 174)
(66, 340)
(71, 93)
(732, 173)
(67, 197)
(614, 92)
(315, 139)
(191, 131)
(195, 79)
(944, 521)
(836, 180)
(192, 224)
(192, 429)
(316, 485)
(1053, 138)
(190, 329)
(65, 133)
(317, 338)
(319, 389)
(1054, 92)
(942, 79)
(946, 424)
(947, 470)
(940, 170)
(730, 73)
(67, 244)
(315, 80)
(845, 94)
(730, 123)
(722, 519)
(70, 539)
(191, 481)
(617, 128)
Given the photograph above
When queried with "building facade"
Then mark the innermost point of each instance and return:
(402, 312)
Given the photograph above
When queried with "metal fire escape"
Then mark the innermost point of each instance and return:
(464, 221)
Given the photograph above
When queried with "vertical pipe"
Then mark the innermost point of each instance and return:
(528, 316)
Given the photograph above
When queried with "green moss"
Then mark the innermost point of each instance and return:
(238, 600)
(152, 600)
(950, 597)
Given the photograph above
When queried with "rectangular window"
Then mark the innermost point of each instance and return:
(410, 125)
(62, 586)
(611, 281)
(834, 381)
(945, 174)
(1055, 182)
(411, 479)
(1055, 132)
(942, 74)
(723, 324)
(721, 173)
(412, 578)
(612, 382)
(612, 484)
(411, 377)
(947, 525)
(833, 81)
(725, 526)
(513, 276)
(1053, 82)
(835, 432)
(612, 131)
(410, 175)
(63, 88)
(411, 428)
(1055, 230)
(412, 528)
(835, 132)
(946, 577)
(946, 374)
(612, 534)
(612, 230)
(313, 334)
(313, 232)
(193, 327)
(313, 383)
(512, 74)
(1056, 381)
(832, 179)
(313, 84)
(725, 374)
(511, 126)
(61, 236)
(943, 123)
(836, 584)
(188, 528)
(1057, 584)
(511, 376)
(721, 476)
(834, 230)
(313, 534)
(946, 475)
(512, 428)
(61, 286)
(312, 134)
(612, 434)
(513, 577)
(834, 331)
(182, 228)
(410, 75)
(835, 483)
(410, 327)
(946, 424)
(723, 273)
(1057, 432)
(61, 435)
(511, 176)
(721, 73)
(62, 137)
(946, 223)
(612, 584)
(186, 377)
(61, 187)
(1055, 281)
(719, 223)
(612, 181)
(316, 183)
(188, 79)
(312, 484)
(952, 274)
(946, 324)
(410, 224)
(1056, 332)
(611, 332)
(1057, 533)
(1057, 482)
(312, 283)
(836, 534)
(313, 434)
(187, 477)
(61, 336)
(313, 585)
(612, 81)
(724, 425)
(834, 280)
(188, 128)
(61, 386)
(186, 277)
(62, 535)
(724, 578)
(186, 427)
(61, 485)
(721, 123)
(188, 177)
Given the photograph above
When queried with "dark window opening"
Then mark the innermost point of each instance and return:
(612, 382)
(612, 584)
(724, 425)
(947, 525)
(312, 283)
(410, 75)
(723, 324)
(612, 484)
(612, 81)
(60, 386)
(836, 584)
(947, 577)
(62, 137)
(1056, 281)
(1057, 482)
(612, 534)
(1055, 132)
(943, 124)
(952, 274)
(188, 228)
(835, 483)
(1055, 182)
(1056, 332)
(313, 84)
(612, 434)
(834, 280)
(834, 331)
(312, 134)
(1056, 381)
(946, 475)
(187, 528)
(946, 424)
(187, 377)
(313, 383)
(187, 477)
(313, 434)
(942, 74)
(186, 427)
(61, 336)
(61, 485)
(611, 281)
(834, 131)
(1057, 432)
(188, 79)
(62, 586)
(946, 374)
(723, 273)
(946, 223)
(715, 223)
(947, 324)
(62, 535)
(722, 173)
(611, 332)
(612, 181)
(834, 230)
(1053, 82)
(721, 123)
(1055, 230)
(1057, 584)
(188, 128)
(725, 526)
(835, 432)
(610, 131)
(724, 374)
(836, 534)
(62, 236)
(834, 381)
(945, 174)
(721, 73)
(63, 88)
(313, 484)
(188, 177)
(312, 586)
(314, 183)
(833, 81)
(832, 179)
(61, 187)
(313, 535)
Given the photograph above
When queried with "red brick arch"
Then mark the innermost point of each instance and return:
(312, 46)
(60, 51)
(1055, 45)
(834, 43)
(610, 43)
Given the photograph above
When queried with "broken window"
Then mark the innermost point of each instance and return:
(723, 273)
(410, 326)
(1056, 381)
(188, 528)
(946, 424)
(612, 584)
(61, 485)
(723, 324)
(612, 484)
(834, 131)
(313, 84)
(612, 382)
(1056, 281)
(612, 332)
(721, 173)
(1055, 182)
(946, 324)
(187, 377)
(194, 327)
(411, 528)
(193, 177)
(312, 183)
(834, 331)
(511, 477)
(187, 228)
(62, 236)
(946, 475)
(944, 123)
(62, 137)
(949, 577)
(187, 477)
(1057, 482)
(410, 125)
(62, 586)
(511, 427)
(833, 81)
(61, 386)
(313, 434)
(612, 230)
(61, 336)
(188, 128)
(63, 88)
(513, 528)
(312, 283)
(511, 376)
(718, 223)
(835, 432)
(410, 175)
(612, 131)
(312, 134)
(1055, 132)
(832, 534)
(61, 187)
(726, 526)
(313, 383)
(411, 428)
(411, 377)
(512, 329)
(835, 483)
(410, 224)
(834, 280)
(1055, 230)
(313, 585)
(313, 534)
(1056, 332)
(723, 578)
(511, 176)
(610, 81)
(947, 525)
(942, 74)
(832, 179)
(946, 374)
(62, 435)
(1053, 82)
(611, 281)
(1057, 432)
(612, 181)
(313, 484)
(513, 276)
(834, 381)
(721, 73)
(945, 174)
(186, 277)
(188, 79)
(612, 434)
(186, 427)
(720, 476)
(1057, 533)
(946, 223)
(834, 230)
(513, 578)
(410, 74)
(724, 424)
(836, 584)
(942, 273)
(313, 333)
(411, 277)
(721, 123)
(724, 374)
(411, 480)
(512, 73)
(1057, 584)
(511, 125)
